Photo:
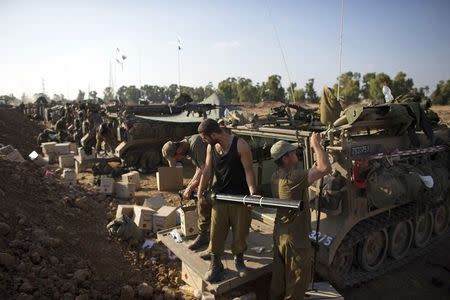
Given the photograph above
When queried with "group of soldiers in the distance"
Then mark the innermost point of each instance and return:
(84, 124)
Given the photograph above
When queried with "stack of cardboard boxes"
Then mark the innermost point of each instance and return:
(123, 189)
(149, 219)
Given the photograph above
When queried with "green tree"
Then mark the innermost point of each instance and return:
(294, 94)
(401, 85)
(441, 95)
(272, 90)
(171, 92)
(80, 96)
(310, 93)
(246, 91)
(108, 94)
(228, 89)
(132, 94)
(365, 85)
(209, 89)
(349, 87)
(376, 86)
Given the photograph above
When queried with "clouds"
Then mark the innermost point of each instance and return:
(226, 45)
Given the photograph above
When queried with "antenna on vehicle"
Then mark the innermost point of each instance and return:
(340, 49)
(281, 50)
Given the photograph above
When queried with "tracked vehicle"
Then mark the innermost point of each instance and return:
(386, 201)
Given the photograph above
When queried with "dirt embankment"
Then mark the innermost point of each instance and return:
(53, 239)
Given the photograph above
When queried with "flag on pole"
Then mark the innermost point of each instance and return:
(179, 43)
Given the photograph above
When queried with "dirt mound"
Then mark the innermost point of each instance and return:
(16, 129)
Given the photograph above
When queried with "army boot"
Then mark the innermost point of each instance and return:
(202, 239)
(240, 266)
(215, 271)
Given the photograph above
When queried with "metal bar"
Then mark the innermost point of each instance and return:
(259, 201)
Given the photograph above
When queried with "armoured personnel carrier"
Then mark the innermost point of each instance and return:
(142, 136)
(386, 200)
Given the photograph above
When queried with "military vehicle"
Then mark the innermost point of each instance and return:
(386, 200)
(142, 136)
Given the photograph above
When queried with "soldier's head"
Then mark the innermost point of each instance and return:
(174, 151)
(210, 131)
(284, 154)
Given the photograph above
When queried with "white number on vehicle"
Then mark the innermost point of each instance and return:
(323, 239)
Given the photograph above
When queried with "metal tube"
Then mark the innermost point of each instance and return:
(259, 201)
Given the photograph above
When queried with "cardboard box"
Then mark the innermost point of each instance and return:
(125, 209)
(164, 218)
(37, 159)
(62, 148)
(154, 202)
(82, 156)
(66, 161)
(132, 177)
(48, 147)
(188, 218)
(192, 278)
(143, 217)
(107, 186)
(124, 190)
(169, 178)
(69, 174)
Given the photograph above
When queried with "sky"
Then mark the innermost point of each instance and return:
(70, 45)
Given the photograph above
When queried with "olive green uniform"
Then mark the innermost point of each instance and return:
(292, 249)
(329, 107)
(197, 154)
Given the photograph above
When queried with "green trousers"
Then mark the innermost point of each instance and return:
(224, 216)
(291, 272)
(204, 216)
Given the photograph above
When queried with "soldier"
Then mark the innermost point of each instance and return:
(329, 106)
(195, 149)
(230, 158)
(292, 249)
(105, 133)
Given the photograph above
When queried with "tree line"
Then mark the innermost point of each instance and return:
(352, 88)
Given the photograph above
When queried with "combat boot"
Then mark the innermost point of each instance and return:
(215, 271)
(240, 266)
(202, 239)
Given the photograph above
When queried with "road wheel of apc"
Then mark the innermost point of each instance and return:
(400, 238)
(373, 250)
(441, 219)
(342, 262)
(423, 229)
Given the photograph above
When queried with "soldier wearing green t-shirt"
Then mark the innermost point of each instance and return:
(194, 148)
(292, 248)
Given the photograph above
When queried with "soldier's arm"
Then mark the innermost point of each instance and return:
(206, 174)
(323, 165)
(247, 162)
(193, 183)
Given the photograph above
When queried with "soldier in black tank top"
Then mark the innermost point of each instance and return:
(229, 171)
